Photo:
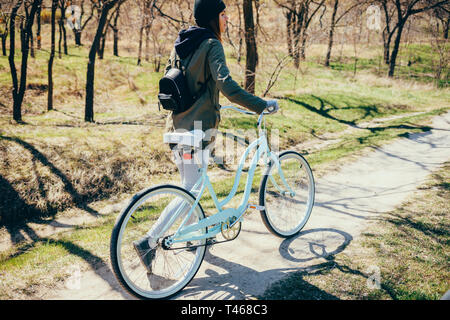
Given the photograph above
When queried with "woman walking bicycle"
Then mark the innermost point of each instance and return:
(199, 50)
(160, 238)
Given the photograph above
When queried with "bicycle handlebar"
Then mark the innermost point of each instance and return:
(237, 109)
(261, 115)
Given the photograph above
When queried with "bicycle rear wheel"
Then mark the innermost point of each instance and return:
(285, 214)
(172, 269)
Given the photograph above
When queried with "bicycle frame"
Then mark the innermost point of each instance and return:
(214, 222)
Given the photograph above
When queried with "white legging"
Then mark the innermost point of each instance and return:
(190, 173)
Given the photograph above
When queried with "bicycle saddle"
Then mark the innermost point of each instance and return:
(191, 138)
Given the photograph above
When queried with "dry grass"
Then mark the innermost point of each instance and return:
(52, 170)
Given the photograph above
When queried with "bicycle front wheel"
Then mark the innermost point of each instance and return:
(171, 269)
(285, 214)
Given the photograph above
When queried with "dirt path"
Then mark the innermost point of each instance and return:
(345, 201)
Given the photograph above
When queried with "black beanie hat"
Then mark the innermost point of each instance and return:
(206, 10)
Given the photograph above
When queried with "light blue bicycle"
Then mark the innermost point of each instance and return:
(286, 199)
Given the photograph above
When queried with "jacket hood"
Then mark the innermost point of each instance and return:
(189, 40)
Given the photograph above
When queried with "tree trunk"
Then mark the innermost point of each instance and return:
(250, 41)
(38, 31)
(141, 34)
(116, 31)
(147, 44)
(387, 46)
(90, 75)
(52, 56)
(23, 27)
(296, 48)
(331, 34)
(17, 114)
(31, 44)
(116, 43)
(60, 38)
(393, 58)
(66, 52)
(386, 52)
(239, 57)
(289, 33)
(63, 19)
(77, 36)
(303, 47)
(446, 26)
(22, 36)
(303, 26)
(4, 36)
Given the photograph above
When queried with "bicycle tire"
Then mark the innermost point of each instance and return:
(116, 249)
(278, 204)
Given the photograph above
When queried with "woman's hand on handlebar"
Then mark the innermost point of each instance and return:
(272, 106)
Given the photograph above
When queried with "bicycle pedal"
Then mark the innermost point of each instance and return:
(256, 207)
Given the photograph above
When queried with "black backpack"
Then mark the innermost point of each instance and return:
(174, 94)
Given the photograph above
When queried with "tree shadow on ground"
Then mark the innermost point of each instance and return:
(369, 110)
(16, 215)
(97, 264)
(9, 198)
(15, 212)
(326, 112)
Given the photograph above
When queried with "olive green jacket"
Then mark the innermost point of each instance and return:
(208, 62)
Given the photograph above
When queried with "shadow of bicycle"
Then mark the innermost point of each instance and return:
(231, 280)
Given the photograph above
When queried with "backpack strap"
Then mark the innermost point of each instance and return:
(180, 66)
(202, 88)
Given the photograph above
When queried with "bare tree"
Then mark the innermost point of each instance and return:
(356, 35)
(62, 28)
(335, 19)
(19, 85)
(90, 75)
(101, 47)
(147, 17)
(442, 14)
(114, 26)
(403, 11)
(157, 50)
(240, 32)
(390, 27)
(439, 43)
(27, 6)
(299, 14)
(331, 32)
